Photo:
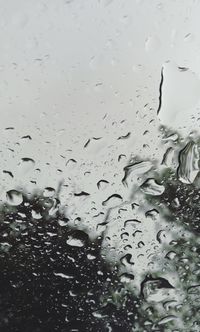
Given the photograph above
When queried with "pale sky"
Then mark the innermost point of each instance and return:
(64, 65)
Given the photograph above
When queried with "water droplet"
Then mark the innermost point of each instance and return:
(194, 289)
(170, 255)
(112, 200)
(77, 239)
(101, 184)
(151, 187)
(26, 137)
(188, 163)
(179, 95)
(126, 277)
(75, 242)
(48, 192)
(155, 289)
(36, 215)
(161, 236)
(141, 244)
(136, 169)
(126, 260)
(153, 214)
(9, 173)
(62, 223)
(14, 197)
(62, 275)
(91, 257)
(131, 222)
(168, 157)
(172, 137)
(124, 136)
(166, 319)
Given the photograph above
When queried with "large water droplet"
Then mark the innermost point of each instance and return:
(135, 169)
(151, 187)
(14, 197)
(155, 289)
(77, 239)
(179, 96)
(188, 163)
(26, 165)
(48, 192)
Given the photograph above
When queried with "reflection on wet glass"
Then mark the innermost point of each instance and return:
(99, 195)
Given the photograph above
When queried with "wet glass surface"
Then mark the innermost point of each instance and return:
(100, 148)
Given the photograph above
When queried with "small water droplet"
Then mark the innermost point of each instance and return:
(170, 255)
(36, 215)
(166, 319)
(112, 200)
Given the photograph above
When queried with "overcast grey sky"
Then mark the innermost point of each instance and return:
(64, 65)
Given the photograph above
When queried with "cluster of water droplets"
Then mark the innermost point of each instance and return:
(108, 200)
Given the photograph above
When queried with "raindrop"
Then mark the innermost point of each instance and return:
(126, 277)
(131, 222)
(151, 187)
(166, 319)
(124, 235)
(9, 128)
(136, 169)
(170, 255)
(9, 173)
(62, 275)
(126, 260)
(91, 257)
(26, 165)
(155, 289)
(136, 232)
(193, 289)
(71, 161)
(169, 304)
(188, 163)
(14, 197)
(49, 192)
(62, 223)
(179, 94)
(141, 244)
(153, 214)
(167, 157)
(112, 200)
(172, 137)
(26, 137)
(161, 236)
(90, 139)
(125, 136)
(75, 242)
(77, 239)
(35, 214)
(121, 156)
(82, 193)
(101, 184)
